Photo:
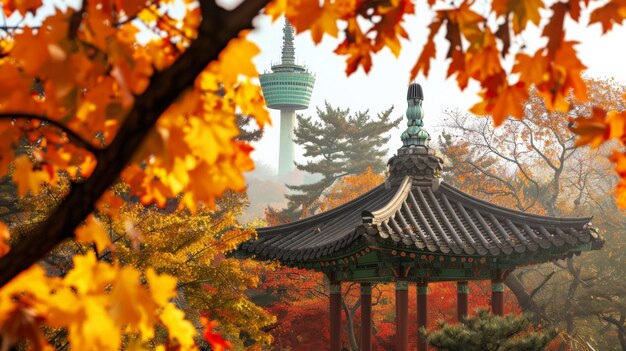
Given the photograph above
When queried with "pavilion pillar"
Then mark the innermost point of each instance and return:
(422, 314)
(335, 316)
(366, 317)
(497, 297)
(402, 315)
(462, 301)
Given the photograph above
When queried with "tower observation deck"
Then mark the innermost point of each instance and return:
(287, 88)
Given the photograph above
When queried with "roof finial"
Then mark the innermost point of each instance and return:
(415, 158)
(415, 134)
(289, 51)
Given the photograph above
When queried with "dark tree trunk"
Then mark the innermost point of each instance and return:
(523, 297)
(349, 313)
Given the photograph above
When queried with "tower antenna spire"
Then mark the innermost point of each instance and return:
(289, 50)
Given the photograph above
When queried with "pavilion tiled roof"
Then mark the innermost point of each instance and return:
(415, 210)
(441, 220)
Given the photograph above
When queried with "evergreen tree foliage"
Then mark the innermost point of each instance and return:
(248, 131)
(487, 332)
(339, 143)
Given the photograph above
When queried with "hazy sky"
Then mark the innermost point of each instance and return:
(386, 83)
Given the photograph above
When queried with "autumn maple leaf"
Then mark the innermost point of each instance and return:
(215, 339)
(4, 238)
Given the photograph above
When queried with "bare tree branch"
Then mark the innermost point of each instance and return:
(73, 137)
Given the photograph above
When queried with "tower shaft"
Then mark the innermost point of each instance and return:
(286, 156)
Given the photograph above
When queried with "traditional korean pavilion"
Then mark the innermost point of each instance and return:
(416, 228)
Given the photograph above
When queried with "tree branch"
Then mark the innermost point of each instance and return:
(541, 285)
(71, 135)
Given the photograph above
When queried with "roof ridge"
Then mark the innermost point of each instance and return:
(394, 204)
(502, 210)
(330, 212)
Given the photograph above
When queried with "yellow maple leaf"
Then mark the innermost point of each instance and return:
(95, 331)
(89, 275)
(93, 231)
(250, 100)
(23, 307)
(180, 330)
(162, 287)
(208, 138)
(126, 306)
(29, 179)
(276, 8)
(235, 60)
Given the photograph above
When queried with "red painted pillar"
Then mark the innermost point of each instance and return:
(462, 290)
(422, 314)
(335, 316)
(402, 315)
(497, 297)
(366, 317)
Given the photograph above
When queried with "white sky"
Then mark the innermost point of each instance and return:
(387, 81)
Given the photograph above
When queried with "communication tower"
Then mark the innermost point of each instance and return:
(287, 88)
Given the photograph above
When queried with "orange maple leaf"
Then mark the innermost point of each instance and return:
(613, 12)
(592, 131)
(428, 51)
(22, 6)
(619, 158)
(318, 19)
(357, 47)
(616, 121)
(532, 70)
(5, 235)
(508, 102)
(523, 11)
(554, 29)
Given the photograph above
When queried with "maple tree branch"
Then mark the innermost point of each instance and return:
(534, 147)
(71, 135)
(541, 285)
(76, 19)
(520, 204)
(217, 28)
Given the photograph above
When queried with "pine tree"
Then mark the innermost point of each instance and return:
(339, 144)
(487, 332)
